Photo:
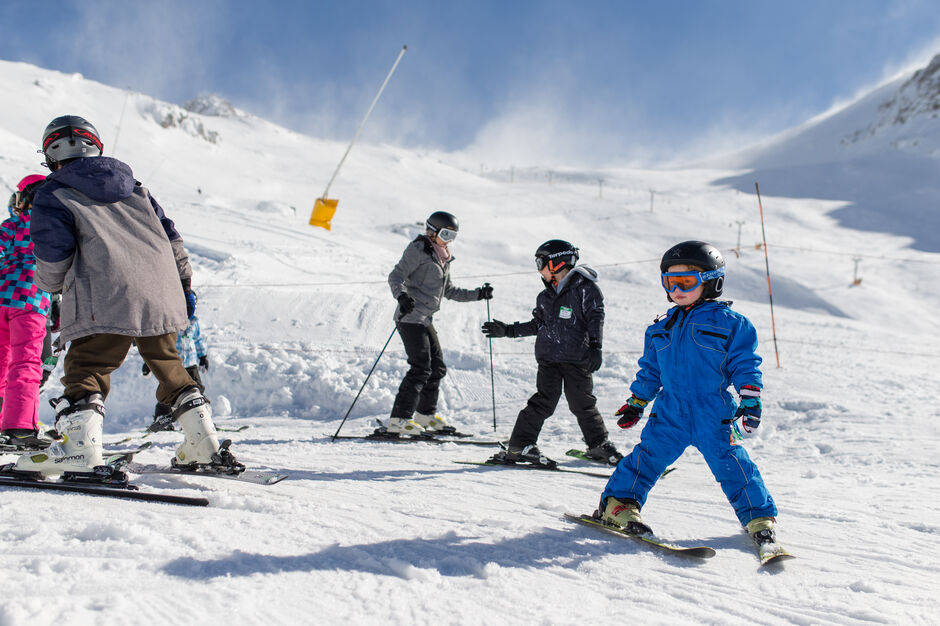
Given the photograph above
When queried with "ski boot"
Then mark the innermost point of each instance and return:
(403, 426)
(200, 449)
(163, 418)
(523, 454)
(761, 530)
(606, 452)
(433, 423)
(78, 422)
(24, 439)
(625, 514)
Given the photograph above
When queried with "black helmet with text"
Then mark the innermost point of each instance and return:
(556, 255)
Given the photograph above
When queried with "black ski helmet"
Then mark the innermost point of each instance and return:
(442, 219)
(70, 137)
(556, 254)
(700, 254)
(444, 225)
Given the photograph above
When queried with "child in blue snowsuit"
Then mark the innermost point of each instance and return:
(192, 350)
(691, 356)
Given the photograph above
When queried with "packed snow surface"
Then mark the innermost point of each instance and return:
(296, 316)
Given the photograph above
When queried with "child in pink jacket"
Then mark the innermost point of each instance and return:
(23, 311)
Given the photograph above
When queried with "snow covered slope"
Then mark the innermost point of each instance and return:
(366, 532)
(880, 155)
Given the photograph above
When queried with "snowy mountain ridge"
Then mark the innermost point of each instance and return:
(918, 96)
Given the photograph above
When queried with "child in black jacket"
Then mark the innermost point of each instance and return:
(568, 322)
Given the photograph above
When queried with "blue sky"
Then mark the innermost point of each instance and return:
(588, 81)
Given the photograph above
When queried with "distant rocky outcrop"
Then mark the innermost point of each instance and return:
(917, 97)
(172, 116)
(213, 105)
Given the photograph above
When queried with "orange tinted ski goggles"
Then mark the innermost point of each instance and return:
(688, 281)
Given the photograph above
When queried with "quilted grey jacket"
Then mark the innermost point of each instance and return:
(421, 275)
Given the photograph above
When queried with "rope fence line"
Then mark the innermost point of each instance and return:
(598, 266)
(367, 350)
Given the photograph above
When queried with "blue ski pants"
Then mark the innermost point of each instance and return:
(663, 440)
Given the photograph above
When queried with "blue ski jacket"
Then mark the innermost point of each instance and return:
(692, 355)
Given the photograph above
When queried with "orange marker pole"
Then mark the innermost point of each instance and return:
(770, 291)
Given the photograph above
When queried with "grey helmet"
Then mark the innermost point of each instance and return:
(70, 137)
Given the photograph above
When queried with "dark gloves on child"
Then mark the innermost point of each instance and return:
(749, 408)
(204, 363)
(496, 329)
(631, 412)
(485, 292)
(145, 370)
(406, 304)
(595, 357)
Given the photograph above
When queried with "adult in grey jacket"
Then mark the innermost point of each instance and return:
(103, 242)
(419, 282)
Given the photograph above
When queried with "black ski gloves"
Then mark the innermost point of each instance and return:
(54, 313)
(406, 304)
(145, 370)
(496, 329)
(595, 357)
(485, 292)
(204, 363)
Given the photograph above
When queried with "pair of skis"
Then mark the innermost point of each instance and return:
(111, 480)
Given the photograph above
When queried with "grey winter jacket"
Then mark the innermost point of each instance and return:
(106, 245)
(421, 275)
(566, 323)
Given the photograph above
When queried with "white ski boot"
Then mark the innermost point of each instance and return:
(79, 423)
(200, 446)
(403, 426)
(432, 423)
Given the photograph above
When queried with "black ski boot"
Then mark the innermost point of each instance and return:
(605, 451)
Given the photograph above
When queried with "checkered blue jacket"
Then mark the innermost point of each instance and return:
(190, 345)
(18, 266)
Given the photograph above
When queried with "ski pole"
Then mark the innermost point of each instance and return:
(492, 382)
(336, 434)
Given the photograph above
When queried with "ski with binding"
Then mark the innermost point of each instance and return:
(256, 477)
(533, 466)
(421, 438)
(107, 480)
(772, 552)
(582, 455)
(647, 539)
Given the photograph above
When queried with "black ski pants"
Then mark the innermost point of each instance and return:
(419, 389)
(578, 386)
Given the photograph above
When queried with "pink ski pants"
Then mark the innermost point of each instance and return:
(21, 335)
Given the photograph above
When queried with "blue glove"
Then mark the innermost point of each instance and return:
(749, 409)
(190, 304)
